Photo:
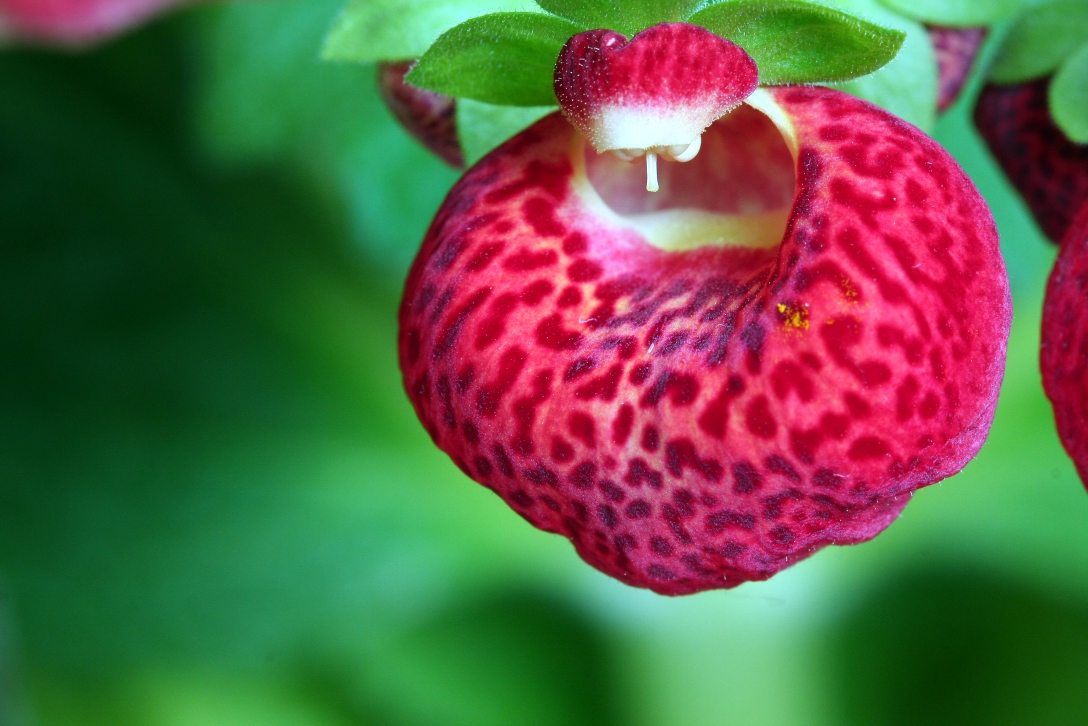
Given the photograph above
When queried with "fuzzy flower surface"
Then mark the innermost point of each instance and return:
(709, 316)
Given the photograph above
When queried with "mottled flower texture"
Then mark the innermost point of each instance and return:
(1064, 354)
(426, 115)
(660, 89)
(74, 22)
(956, 50)
(1051, 174)
(702, 386)
(1049, 170)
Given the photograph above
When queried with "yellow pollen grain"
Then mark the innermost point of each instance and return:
(848, 290)
(793, 317)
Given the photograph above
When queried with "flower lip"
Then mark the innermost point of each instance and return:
(652, 95)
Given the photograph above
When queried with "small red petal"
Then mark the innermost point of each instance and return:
(426, 115)
(956, 50)
(1064, 352)
(1049, 170)
(662, 87)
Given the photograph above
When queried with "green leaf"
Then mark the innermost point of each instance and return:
(625, 16)
(483, 126)
(587, 14)
(800, 42)
(1041, 39)
(261, 97)
(955, 13)
(906, 87)
(373, 30)
(1069, 96)
(502, 58)
(637, 15)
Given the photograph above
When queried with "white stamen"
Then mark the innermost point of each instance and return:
(673, 152)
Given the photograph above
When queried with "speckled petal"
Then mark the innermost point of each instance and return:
(663, 87)
(956, 50)
(1049, 170)
(693, 414)
(428, 116)
(1064, 352)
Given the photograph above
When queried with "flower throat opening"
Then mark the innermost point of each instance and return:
(737, 191)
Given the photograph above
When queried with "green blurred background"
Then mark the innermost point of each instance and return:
(218, 509)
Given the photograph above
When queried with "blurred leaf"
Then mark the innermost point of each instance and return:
(956, 648)
(373, 30)
(1041, 39)
(800, 42)
(203, 700)
(1068, 96)
(955, 13)
(907, 86)
(206, 454)
(514, 659)
(264, 99)
(13, 707)
(504, 58)
(483, 126)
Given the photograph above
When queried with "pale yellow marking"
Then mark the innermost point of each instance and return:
(762, 101)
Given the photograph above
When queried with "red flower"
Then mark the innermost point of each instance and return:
(701, 386)
(1064, 352)
(1049, 170)
(74, 22)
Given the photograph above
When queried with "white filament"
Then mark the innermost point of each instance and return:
(674, 152)
(651, 172)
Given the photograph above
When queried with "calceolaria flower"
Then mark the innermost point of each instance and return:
(705, 320)
(1033, 114)
(73, 22)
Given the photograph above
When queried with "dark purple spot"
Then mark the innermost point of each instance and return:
(660, 573)
(719, 521)
(583, 475)
(608, 516)
(542, 475)
(746, 478)
(613, 492)
(639, 471)
(681, 454)
(827, 478)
